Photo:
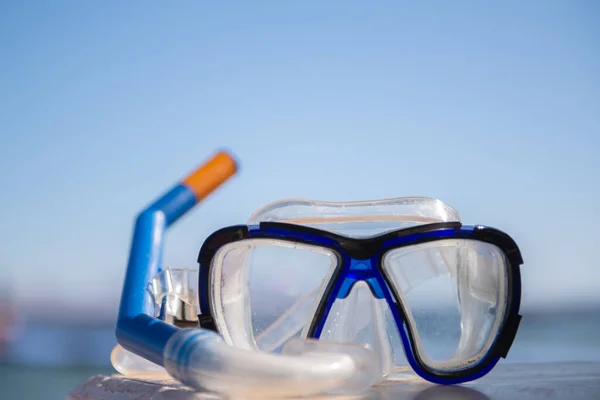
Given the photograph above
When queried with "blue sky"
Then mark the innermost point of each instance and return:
(494, 110)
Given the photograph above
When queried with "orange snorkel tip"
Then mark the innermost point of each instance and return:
(210, 175)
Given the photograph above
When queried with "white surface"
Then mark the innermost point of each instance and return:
(510, 381)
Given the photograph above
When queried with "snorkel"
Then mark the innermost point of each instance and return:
(200, 358)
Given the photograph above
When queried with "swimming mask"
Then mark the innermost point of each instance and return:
(312, 297)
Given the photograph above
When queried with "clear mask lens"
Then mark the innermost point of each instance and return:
(265, 291)
(454, 293)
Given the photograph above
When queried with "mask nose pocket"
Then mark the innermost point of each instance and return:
(362, 318)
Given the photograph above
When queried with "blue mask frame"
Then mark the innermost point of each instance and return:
(360, 260)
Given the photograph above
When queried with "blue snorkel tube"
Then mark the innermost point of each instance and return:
(200, 358)
(137, 331)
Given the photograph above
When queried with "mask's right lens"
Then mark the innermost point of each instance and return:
(455, 294)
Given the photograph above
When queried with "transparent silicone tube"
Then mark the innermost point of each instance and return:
(202, 360)
(128, 363)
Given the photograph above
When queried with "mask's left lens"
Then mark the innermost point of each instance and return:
(265, 291)
(455, 295)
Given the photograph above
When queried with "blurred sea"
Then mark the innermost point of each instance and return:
(46, 361)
